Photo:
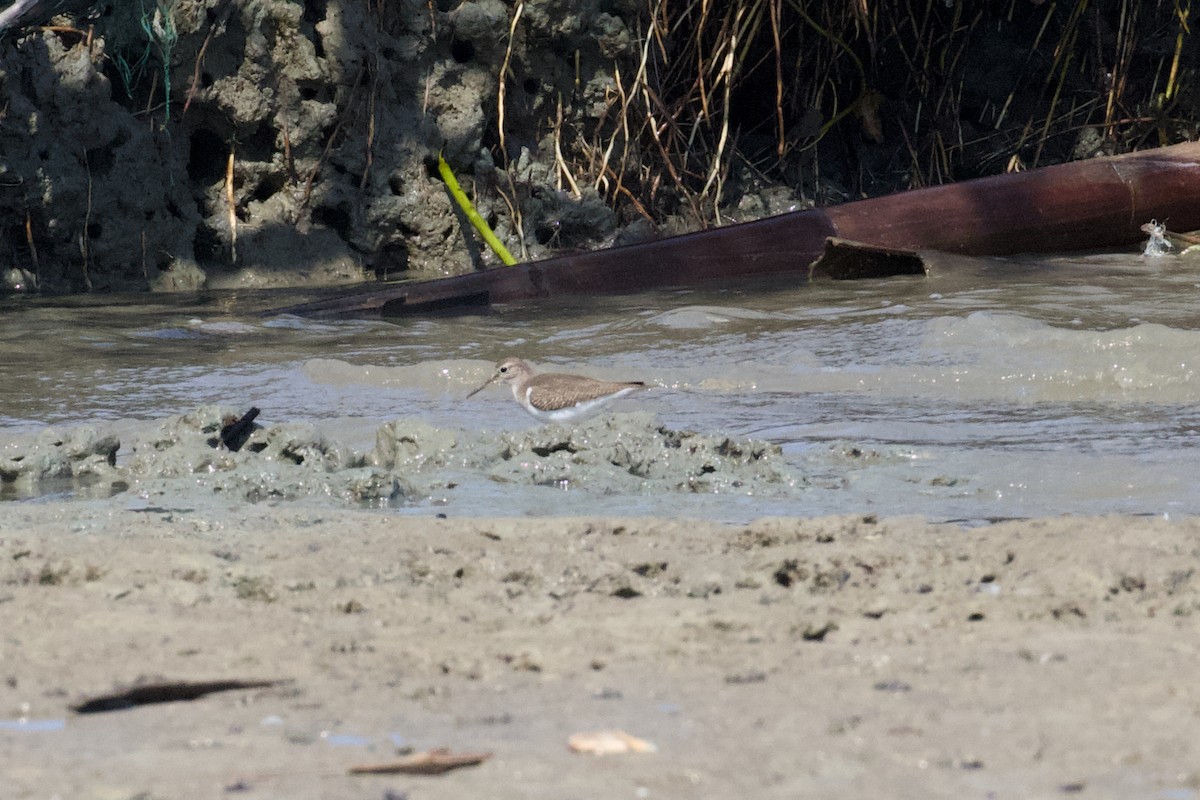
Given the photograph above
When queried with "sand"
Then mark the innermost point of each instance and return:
(831, 657)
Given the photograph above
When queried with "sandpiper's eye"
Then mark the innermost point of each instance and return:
(504, 369)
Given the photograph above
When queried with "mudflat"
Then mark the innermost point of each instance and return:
(827, 657)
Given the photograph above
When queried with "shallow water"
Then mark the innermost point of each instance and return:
(989, 389)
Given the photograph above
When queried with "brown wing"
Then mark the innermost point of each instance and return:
(547, 393)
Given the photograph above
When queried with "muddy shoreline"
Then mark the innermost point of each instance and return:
(827, 657)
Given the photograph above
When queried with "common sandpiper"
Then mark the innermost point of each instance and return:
(554, 396)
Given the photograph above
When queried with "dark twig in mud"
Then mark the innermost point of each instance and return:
(236, 431)
(214, 29)
(429, 762)
(370, 146)
(289, 160)
(337, 129)
(163, 692)
(29, 240)
(85, 250)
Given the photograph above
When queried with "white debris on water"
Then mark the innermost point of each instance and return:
(1157, 245)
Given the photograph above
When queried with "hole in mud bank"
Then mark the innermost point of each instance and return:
(531, 85)
(258, 146)
(314, 90)
(15, 234)
(172, 208)
(206, 80)
(99, 160)
(391, 258)
(462, 51)
(28, 88)
(269, 186)
(207, 244)
(396, 183)
(335, 217)
(108, 68)
(314, 10)
(95, 230)
(207, 154)
(546, 232)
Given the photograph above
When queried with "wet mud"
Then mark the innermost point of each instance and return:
(617, 454)
(852, 656)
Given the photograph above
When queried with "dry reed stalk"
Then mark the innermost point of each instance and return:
(562, 171)
(370, 146)
(29, 240)
(675, 125)
(150, 100)
(1182, 12)
(601, 172)
(514, 213)
(231, 205)
(289, 161)
(641, 209)
(839, 45)
(503, 81)
(776, 8)
(725, 79)
(218, 26)
(1064, 54)
(85, 249)
(1125, 46)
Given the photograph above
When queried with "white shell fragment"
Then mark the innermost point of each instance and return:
(607, 743)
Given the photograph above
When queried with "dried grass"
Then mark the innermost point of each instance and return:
(686, 125)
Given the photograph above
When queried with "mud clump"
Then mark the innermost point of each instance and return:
(622, 454)
(55, 458)
(631, 453)
(285, 461)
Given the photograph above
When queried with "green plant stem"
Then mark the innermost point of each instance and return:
(464, 203)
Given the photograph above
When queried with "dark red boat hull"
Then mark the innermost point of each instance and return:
(1100, 203)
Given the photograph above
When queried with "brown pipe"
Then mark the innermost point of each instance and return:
(1077, 206)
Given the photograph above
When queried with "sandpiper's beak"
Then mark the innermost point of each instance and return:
(486, 384)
